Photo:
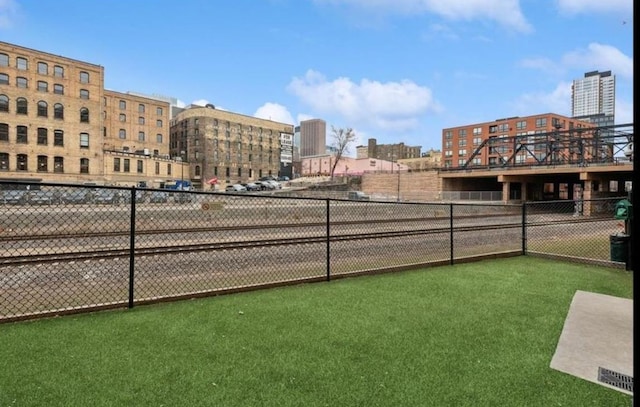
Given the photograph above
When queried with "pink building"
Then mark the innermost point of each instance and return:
(321, 165)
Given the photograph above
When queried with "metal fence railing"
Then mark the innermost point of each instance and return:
(70, 248)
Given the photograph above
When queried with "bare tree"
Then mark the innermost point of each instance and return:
(341, 140)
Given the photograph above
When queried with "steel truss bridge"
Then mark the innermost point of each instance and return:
(578, 146)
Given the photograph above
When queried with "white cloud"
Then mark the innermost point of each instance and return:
(600, 57)
(505, 12)
(275, 112)
(557, 101)
(595, 6)
(390, 105)
(200, 102)
(624, 112)
(8, 13)
(304, 116)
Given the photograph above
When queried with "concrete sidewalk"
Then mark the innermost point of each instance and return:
(598, 332)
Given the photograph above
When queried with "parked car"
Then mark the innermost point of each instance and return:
(41, 197)
(235, 188)
(275, 184)
(283, 178)
(77, 196)
(264, 185)
(126, 196)
(357, 196)
(182, 197)
(14, 197)
(159, 197)
(267, 178)
(252, 186)
(106, 196)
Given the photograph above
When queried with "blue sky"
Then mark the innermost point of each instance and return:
(394, 70)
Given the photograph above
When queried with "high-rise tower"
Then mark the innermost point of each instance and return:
(593, 98)
(313, 137)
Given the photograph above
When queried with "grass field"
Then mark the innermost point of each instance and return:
(475, 334)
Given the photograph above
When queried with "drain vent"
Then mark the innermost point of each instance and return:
(619, 380)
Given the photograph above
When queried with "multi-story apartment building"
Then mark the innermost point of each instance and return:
(593, 98)
(51, 123)
(313, 137)
(463, 143)
(226, 146)
(58, 123)
(391, 152)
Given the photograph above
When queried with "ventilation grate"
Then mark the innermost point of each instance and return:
(619, 380)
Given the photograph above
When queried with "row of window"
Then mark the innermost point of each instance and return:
(141, 120)
(122, 134)
(141, 108)
(227, 126)
(42, 136)
(22, 64)
(22, 107)
(42, 86)
(42, 163)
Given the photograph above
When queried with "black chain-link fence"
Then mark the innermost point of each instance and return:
(70, 248)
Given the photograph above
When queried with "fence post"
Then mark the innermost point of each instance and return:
(451, 232)
(328, 242)
(132, 245)
(524, 228)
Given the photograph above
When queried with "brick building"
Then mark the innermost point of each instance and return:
(228, 146)
(462, 143)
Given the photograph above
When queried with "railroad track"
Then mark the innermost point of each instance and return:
(81, 256)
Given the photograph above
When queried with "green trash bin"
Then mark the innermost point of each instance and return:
(619, 247)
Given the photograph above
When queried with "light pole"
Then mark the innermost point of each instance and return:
(398, 164)
(182, 169)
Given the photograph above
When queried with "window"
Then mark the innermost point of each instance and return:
(140, 167)
(84, 115)
(158, 138)
(42, 136)
(123, 105)
(504, 127)
(21, 160)
(477, 141)
(22, 82)
(58, 138)
(521, 125)
(4, 162)
(462, 143)
(84, 166)
(462, 133)
(159, 124)
(58, 89)
(84, 140)
(159, 111)
(122, 134)
(42, 163)
(58, 164)
(141, 120)
(116, 165)
(43, 109)
(58, 71)
(4, 132)
(168, 169)
(4, 60)
(4, 79)
(43, 86)
(477, 131)
(43, 68)
(157, 168)
(4, 103)
(140, 108)
(126, 165)
(58, 111)
(21, 106)
(141, 136)
(84, 77)
(84, 94)
(123, 117)
(541, 122)
(22, 63)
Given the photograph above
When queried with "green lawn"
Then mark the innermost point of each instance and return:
(475, 334)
